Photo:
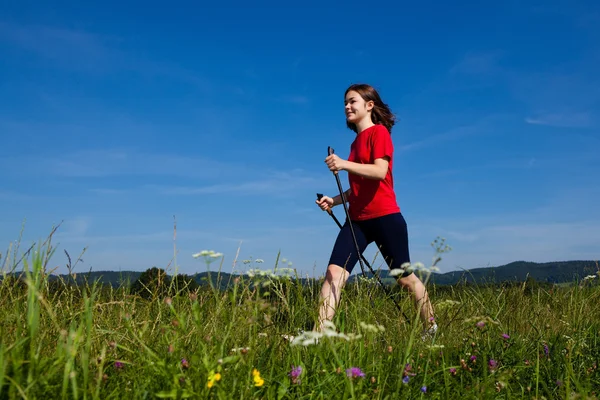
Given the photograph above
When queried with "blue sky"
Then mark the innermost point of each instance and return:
(119, 119)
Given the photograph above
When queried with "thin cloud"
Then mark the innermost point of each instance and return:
(9, 195)
(567, 120)
(480, 127)
(452, 134)
(116, 162)
(559, 99)
(166, 236)
(93, 53)
(109, 191)
(479, 63)
(508, 163)
(278, 185)
(476, 242)
(77, 227)
(69, 48)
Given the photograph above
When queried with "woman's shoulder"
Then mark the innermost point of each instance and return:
(380, 130)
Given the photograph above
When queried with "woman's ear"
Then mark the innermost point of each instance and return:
(370, 105)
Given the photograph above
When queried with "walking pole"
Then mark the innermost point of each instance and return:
(343, 196)
(360, 256)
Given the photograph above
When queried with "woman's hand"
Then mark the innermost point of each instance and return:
(334, 163)
(325, 203)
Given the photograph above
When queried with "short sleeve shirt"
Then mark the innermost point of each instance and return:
(370, 198)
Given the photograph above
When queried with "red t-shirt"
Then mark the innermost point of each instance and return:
(370, 198)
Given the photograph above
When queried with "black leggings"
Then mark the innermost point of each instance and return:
(389, 233)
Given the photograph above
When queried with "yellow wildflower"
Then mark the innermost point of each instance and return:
(212, 378)
(258, 381)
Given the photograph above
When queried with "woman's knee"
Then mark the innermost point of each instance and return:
(336, 274)
(410, 281)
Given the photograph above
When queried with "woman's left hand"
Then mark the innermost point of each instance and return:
(334, 163)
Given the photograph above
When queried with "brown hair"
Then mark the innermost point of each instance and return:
(381, 113)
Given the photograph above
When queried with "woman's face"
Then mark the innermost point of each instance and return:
(355, 107)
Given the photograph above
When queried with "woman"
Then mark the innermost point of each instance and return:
(372, 208)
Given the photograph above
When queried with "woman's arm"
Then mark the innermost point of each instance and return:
(377, 170)
(337, 200)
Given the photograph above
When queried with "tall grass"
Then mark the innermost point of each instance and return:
(88, 341)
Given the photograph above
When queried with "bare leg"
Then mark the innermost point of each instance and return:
(420, 298)
(335, 279)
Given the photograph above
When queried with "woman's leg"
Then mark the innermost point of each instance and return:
(392, 240)
(420, 298)
(335, 279)
(343, 259)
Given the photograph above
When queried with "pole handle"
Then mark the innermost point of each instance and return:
(329, 211)
(330, 152)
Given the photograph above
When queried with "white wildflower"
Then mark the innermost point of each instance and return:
(419, 266)
(371, 327)
(329, 331)
(329, 325)
(396, 272)
(433, 347)
(201, 254)
(207, 254)
(286, 271)
(306, 338)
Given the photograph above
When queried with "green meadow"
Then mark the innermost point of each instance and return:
(253, 340)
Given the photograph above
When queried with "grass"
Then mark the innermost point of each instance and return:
(92, 342)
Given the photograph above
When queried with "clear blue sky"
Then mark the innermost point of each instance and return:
(117, 118)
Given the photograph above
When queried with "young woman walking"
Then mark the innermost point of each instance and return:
(372, 206)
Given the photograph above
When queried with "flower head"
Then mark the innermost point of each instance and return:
(295, 374)
(207, 253)
(258, 381)
(212, 378)
(492, 364)
(118, 365)
(505, 336)
(355, 372)
(407, 369)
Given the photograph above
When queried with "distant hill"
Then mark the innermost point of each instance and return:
(518, 271)
(113, 278)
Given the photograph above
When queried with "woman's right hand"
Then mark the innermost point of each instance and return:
(326, 203)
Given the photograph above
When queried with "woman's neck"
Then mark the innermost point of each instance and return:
(365, 123)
